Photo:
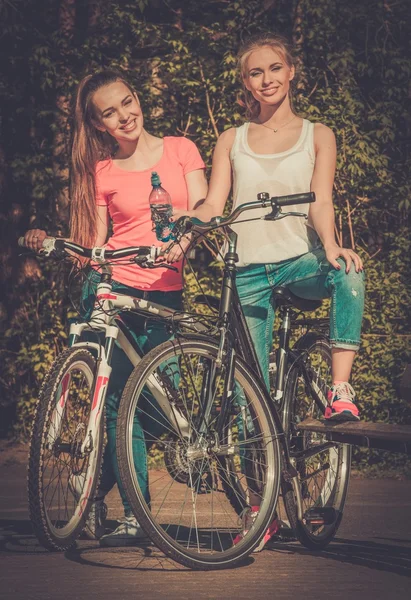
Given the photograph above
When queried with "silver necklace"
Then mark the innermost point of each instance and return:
(281, 126)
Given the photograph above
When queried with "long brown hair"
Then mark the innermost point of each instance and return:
(89, 146)
(274, 41)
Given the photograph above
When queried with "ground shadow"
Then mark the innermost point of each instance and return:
(146, 556)
(392, 555)
(17, 537)
(374, 555)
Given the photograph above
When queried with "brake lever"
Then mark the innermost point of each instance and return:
(165, 265)
(58, 253)
(147, 263)
(162, 265)
(276, 216)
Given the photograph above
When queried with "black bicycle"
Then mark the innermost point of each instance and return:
(230, 444)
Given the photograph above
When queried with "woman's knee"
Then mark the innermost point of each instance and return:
(351, 283)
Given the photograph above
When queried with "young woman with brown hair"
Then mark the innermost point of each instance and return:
(113, 156)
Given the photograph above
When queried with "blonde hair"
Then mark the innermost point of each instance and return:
(277, 43)
(89, 146)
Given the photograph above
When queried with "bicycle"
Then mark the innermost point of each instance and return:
(68, 430)
(235, 451)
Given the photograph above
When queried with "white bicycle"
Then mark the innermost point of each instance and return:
(68, 431)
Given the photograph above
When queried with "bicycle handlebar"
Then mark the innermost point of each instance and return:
(148, 254)
(98, 254)
(291, 199)
(264, 200)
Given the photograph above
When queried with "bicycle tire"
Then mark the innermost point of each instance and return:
(179, 513)
(229, 480)
(323, 477)
(61, 482)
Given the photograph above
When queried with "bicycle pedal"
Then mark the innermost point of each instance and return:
(326, 515)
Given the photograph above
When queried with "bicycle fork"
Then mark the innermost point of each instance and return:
(101, 377)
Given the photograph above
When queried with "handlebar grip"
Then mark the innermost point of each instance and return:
(294, 199)
(21, 243)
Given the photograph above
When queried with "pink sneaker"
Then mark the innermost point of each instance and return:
(248, 516)
(341, 406)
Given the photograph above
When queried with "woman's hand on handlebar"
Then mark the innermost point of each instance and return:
(173, 252)
(34, 238)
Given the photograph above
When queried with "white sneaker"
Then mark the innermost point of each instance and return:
(95, 527)
(95, 524)
(128, 533)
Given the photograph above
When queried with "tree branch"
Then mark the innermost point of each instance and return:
(210, 112)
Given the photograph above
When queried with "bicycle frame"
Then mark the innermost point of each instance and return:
(106, 320)
(231, 318)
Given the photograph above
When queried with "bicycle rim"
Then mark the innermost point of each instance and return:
(323, 476)
(195, 476)
(61, 477)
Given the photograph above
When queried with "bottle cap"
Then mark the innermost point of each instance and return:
(155, 179)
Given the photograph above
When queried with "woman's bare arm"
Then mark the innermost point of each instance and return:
(220, 182)
(321, 214)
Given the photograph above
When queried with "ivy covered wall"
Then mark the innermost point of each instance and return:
(354, 63)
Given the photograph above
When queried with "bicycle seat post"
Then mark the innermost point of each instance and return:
(284, 346)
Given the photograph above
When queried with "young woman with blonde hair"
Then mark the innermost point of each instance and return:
(278, 152)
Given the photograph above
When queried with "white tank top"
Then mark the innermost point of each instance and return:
(290, 172)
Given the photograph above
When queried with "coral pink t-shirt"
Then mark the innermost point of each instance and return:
(126, 193)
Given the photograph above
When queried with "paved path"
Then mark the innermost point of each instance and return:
(370, 559)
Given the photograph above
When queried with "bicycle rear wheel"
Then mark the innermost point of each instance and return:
(183, 503)
(323, 475)
(62, 478)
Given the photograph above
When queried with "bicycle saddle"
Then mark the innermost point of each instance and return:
(284, 297)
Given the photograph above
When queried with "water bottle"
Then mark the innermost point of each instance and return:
(161, 209)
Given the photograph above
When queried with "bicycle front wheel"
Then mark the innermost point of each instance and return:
(201, 469)
(64, 459)
(323, 468)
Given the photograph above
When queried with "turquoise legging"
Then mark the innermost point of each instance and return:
(147, 334)
(309, 276)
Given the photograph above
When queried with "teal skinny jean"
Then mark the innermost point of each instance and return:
(309, 276)
(147, 335)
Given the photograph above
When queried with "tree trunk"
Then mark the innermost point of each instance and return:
(67, 16)
(298, 42)
(94, 11)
